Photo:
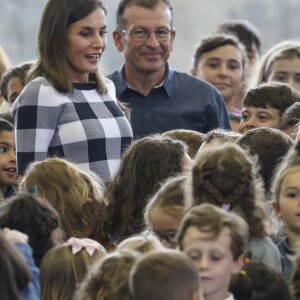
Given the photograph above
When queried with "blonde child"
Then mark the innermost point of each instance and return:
(65, 266)
(8, 171)
(109, 278)
(142, 243)
(165, 211)
(164, 275)
(215, 240)
(226, 177)
(286, 192)
(77, 195)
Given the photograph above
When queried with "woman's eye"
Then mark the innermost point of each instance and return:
(2, 149)
(85, 33)
(102, 33)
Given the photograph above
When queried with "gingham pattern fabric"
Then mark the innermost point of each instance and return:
(84, 126)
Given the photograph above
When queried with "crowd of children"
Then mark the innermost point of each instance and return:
(186, 215)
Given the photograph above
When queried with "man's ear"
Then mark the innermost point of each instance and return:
(276, 208)
(238, 264)
(118, 39)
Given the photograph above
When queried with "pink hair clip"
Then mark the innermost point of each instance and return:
(226, 206)
(88, 244)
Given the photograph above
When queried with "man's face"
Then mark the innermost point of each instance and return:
(151, 54)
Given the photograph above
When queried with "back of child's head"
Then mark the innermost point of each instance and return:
(226, 177)
(272, 95)
(34, 217)
(168, 275)
(193, 139)
(211, 219)
(282, 50)
(270, 145)
(169, 198)
(142, 243)
(65, 266)
(258, 281)
(219, 136)
(14, 272)
(108, 279)
(145, 164)
(76, 194)
(246, 32)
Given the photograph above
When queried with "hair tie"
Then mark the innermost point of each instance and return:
(88, 244)
(33, 190)
(226, 206)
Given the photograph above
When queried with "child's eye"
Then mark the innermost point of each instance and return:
(233, 66)
(245, 117)
(102, 33)
(213, 65)
(291, 195)
(263, 117)
(280, 78)
(2, 149)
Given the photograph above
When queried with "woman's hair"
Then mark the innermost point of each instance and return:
(52, 62)
(215, 41)
(145, 164)
(142, 243)
(226, 177)
(291, 162)
(14, 272)
(34, 217)
(282, 50)
(258, 281)
(76, 194)
(257, 142)
(211, 219)
(108, 279)
(63, 269)
(169, 198)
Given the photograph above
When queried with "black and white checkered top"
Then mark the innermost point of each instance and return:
(83, 126)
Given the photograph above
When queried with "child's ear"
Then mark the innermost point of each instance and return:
(276, 208)
(238, 264)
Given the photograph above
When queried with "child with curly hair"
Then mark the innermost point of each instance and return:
(226, 177)
(145, 164)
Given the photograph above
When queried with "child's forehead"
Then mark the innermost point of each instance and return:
(256, 109)
(195, 236)
(292, 172)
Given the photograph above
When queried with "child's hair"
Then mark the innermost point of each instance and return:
(282, 50)
(272, 94)
(295, 278)
(193, 139)
(215, 41)
(245, 31)
(169, 198)
(164, 275)
(270, 145)
(221, 136)
(14, 272)
(226, 177)
(142, 243)
(291, 116)
(34, 217)
(211, 219)
(76, 194)
(65, 266)
(109, 278)
(258, 281)
(19, 71)
(145, 164)
(6, 125)
(290, 162)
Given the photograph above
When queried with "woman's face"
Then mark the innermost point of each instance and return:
(85, 42)
(287, 71)
(222, 67)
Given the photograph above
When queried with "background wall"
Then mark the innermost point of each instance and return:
(276, 19)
